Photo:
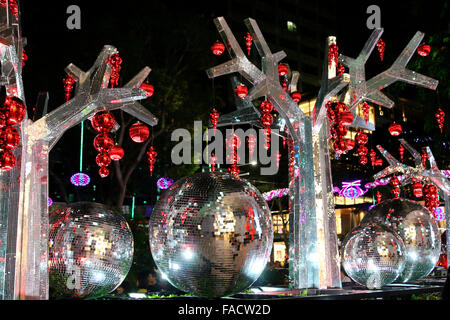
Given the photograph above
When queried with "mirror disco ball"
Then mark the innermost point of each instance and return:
(373, 255)
(90, 250)
(417, 227)
(211, 234)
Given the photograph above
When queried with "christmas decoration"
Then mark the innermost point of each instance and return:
(214, 118)
(241, 91)
(440, 118)
(378, 195)
(92, 242)
(139, 132)
(103, 142)
(365, 110)
(401, 151)
(213, 162)
(164, 183)
(395, 191)
(103, 121)
(333, 54)
(395, 129)
(424, 50)
(418, 230)
(12, 109)
(248, 42)
(9, 138)
(266, 120)
(373, 255)
(218, 48)
(362, 139)
(103, 172)
(80, 179)
(251, 140)
(68, 81)
(115, 61)
(431, 197)
(340, 70)
(218, 202)
(282, 70)
(417, 189)
(7, 160)
(151, 154)
(424, 157)
(380, 46)
(372, 158)
(149, 88)
(116, 153)
(340, 118)
(49, 202)
(296, 96)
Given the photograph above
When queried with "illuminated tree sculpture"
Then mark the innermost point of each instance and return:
(24, 189)
(313, 253)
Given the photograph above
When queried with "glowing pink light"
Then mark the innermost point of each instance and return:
(49, 201)
(164, 183)
(439, 214)
(80, 179)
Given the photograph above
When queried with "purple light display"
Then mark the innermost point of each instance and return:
(164, 183)
(49, 201)
(439, 214)
(80, 179)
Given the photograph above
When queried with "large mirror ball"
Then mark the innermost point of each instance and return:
(416, 225)
(211, 234)
(90, 250)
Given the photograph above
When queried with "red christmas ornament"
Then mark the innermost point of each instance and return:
(440, 118)
(214, 119)
(365, 110)
(346, 118)
(103, 159)
(401, 151)
(149, 88)
(395, 129)
(372, 157)
(361, 138)
(424, 50)
(363, 160)
(296, 96)
(151, 153)
(9, 138)
(395, 191)
(266, 106)
(218, 48)
(251, 140)
(266, 120)
(362, 150)
(139, 132)
(424, 158)
(213, 162)
(378, 195)
(417, 189)
(103, 121)
(103, 142)
(103, 172)
(431, 197)
(115, 61)
(378, 162)
(116, 153)
(340, 69)
(24, 57)
(282, 69)
(234, 170)
(380, 46)
(68, 81)
(13, 110)
(241, 91)
(248, 42)
(7, 160)
(349, 144)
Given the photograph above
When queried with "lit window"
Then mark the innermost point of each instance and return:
(291, 26)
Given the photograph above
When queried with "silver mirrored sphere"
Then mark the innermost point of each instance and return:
(90, 250)
(211, 234)
(416, 225)
(373, 255)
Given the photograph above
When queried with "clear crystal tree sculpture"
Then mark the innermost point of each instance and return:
(24, 189)
(313, 254)
(419, 172)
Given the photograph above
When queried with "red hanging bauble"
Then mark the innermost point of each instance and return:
(68, 81)
(234, 170)
(380, 46)
(362, 150)
(424, 157)
(401, 151)
(103, 142)
(346, 118)
(349, 144)
(248, 42)
(440, 118)
(395, 129)
(372, 155)
(361, 138)
(431, 197)
(116, 153)
(363, 160)
(282, 69)
(395, 191)
(296, 96)
(149, 88)
(151, 153)
(103, 121)
(218, 48)
(103, 159)
(340, 69)
(234, 142)
(365, 110)
(417, 189)
(13, 110)
(241, 91)
(139, 132)
(7, 160)
(378, 195)
(115, 61)
(266, 120)
(103, 172)
(266, 106)
(9, 138)
(214, 119)
(24, 58)
(378, 162)
(424, 50)
(213, 162)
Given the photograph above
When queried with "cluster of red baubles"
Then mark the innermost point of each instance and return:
(115, 61)
(103, 122)
(395, 191)
(214, 116)
(365, 110)
(374, 160)
(213, 161)
(424, 50)
(340, 69)
(362, 139)
(291, 161)
(12, 112)
(340, 118)
(440, 118)
(431, 197)
(283, 71)
(380, 46)
(424, 157)
(233, 144)
(395, 129)
(417, 189)
(333, 52)
(266, 120)
(151, 156)
(401, 151)
(68, 81)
